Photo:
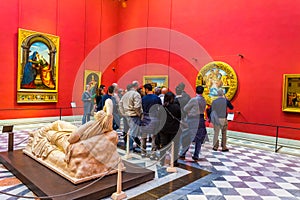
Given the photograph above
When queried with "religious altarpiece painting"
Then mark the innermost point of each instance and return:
(216, 75)
(92, 78)
(291, 93)
(37, 80)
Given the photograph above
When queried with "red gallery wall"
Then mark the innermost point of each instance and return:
(265, 33)
(81, 25)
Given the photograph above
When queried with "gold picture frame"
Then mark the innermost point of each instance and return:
(216, 75)
(156, 81)
(92, 78)
(37, 80)
(291, 93)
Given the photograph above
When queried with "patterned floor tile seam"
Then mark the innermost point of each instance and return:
(267, 147)
(260, 145)
(8, 176)
(19, 190)
(270, 154)
(219, 175)
(20, 141)
(25, 192)
(191, 188)
(257, 165)
(3, 170)
(230, 197)
(235, 186)
(23, 195)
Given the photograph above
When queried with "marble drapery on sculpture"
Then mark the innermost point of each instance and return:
(78, 154)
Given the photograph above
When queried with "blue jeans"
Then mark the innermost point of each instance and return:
(86, 117)
(196, 132)
(134, 123)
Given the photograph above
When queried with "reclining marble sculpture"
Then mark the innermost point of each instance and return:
(78, 154)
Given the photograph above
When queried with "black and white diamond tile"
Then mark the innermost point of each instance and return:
(246, 173)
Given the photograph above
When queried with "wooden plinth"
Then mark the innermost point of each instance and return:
(44, 182)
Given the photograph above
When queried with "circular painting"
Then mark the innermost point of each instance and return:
(215, 75)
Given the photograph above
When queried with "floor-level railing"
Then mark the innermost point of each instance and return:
(278, 134)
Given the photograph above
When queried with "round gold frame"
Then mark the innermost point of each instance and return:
(216, 75)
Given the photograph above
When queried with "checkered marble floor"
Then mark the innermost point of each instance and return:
(245, 173)
(242, 173)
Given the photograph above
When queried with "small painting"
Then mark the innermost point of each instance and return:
(156, 81)
(92, 78)
(291, 93)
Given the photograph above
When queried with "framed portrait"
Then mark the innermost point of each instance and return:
(92, 78)
(156, 81)
(291, 93)
(37, 80)
(214, 76)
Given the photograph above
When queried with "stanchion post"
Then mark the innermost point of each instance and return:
(172, 168)
(127, 155)
(276, 144)
(60, 113)
(9, 130)
(119, 194)
(10, 141)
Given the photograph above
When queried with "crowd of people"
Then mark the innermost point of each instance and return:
(162, 117)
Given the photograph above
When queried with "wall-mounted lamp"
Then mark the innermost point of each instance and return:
(113, 68)
(240, 55)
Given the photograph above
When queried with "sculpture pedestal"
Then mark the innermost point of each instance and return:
(44, 182)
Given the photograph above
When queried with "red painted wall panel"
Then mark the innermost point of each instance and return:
(264, 32)
(8, 53)
(159, 13)
(79, 26)
(109, 19)
(71, 25)
(134, 15)
(33, 14)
